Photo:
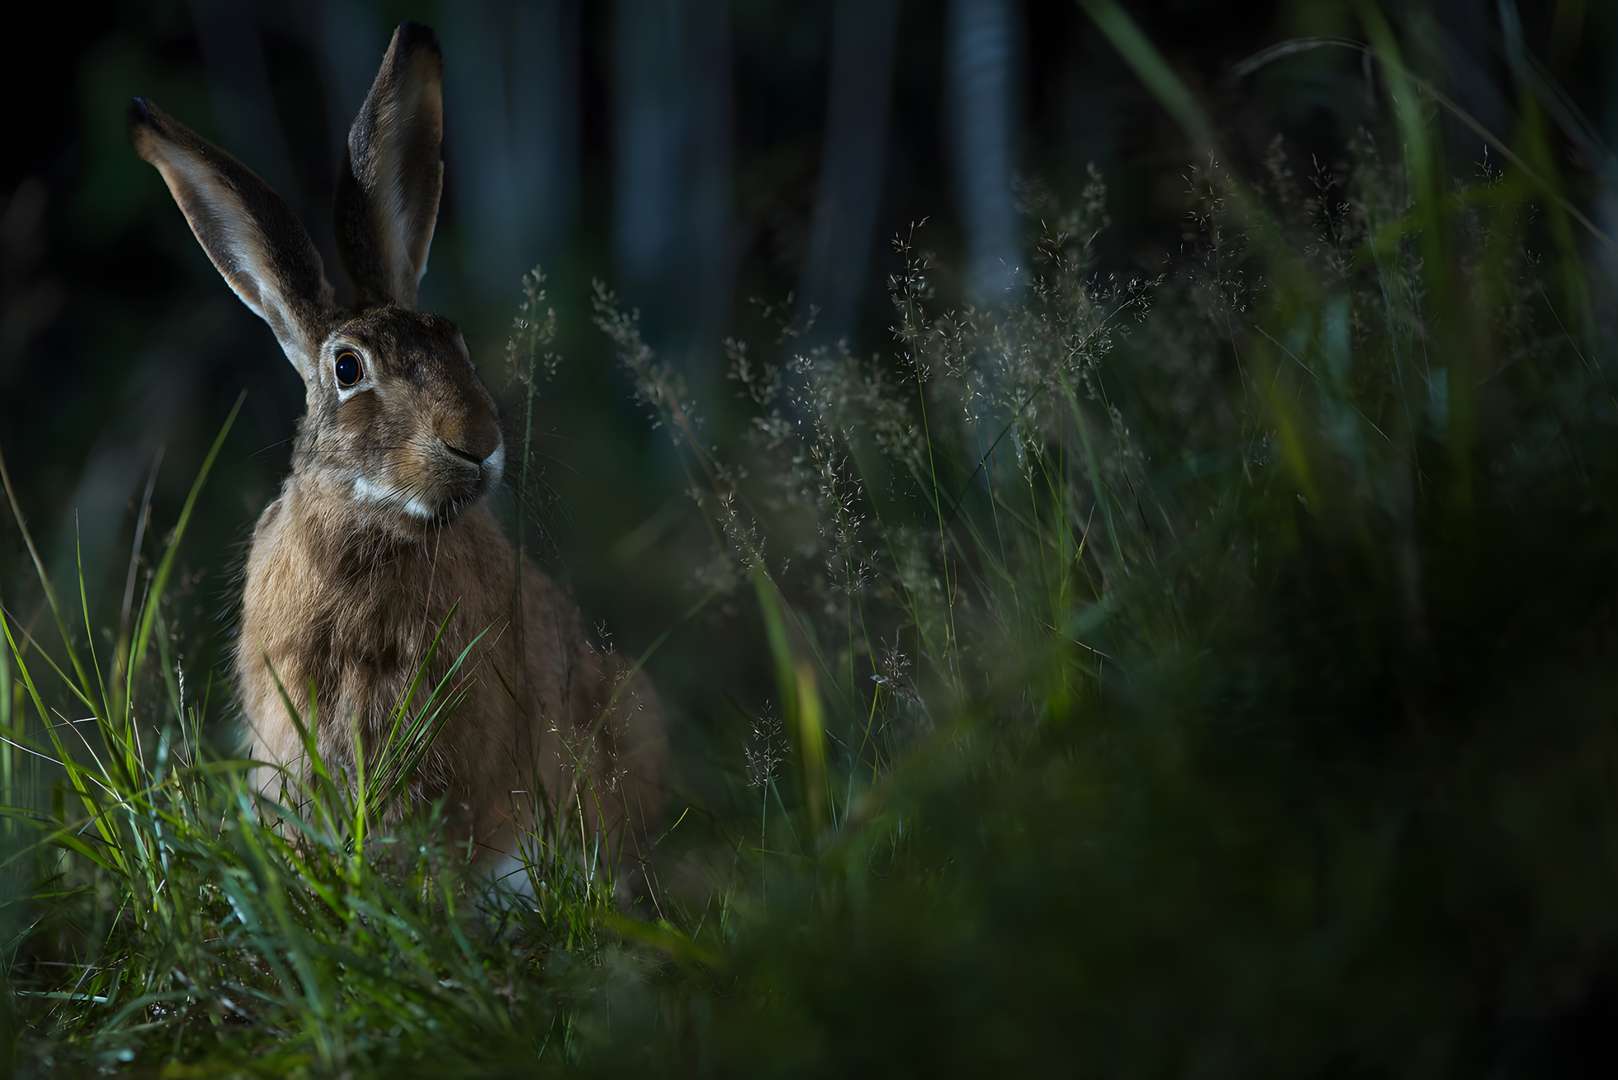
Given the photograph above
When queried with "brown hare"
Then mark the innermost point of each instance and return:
(380, 533)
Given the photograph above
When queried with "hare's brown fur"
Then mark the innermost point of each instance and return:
(380, 534)
(353, 610)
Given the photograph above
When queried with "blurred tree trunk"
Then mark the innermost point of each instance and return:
(672, 201)
(647, 121)
(512, 94)
(982, 69)
(711, 148)
(858, 111)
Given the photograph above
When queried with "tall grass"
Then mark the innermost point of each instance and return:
(1206, 669)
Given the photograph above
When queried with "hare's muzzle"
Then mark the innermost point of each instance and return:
(487, 466)
(470, 474)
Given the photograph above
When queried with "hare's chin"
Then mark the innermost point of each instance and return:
(372, 493)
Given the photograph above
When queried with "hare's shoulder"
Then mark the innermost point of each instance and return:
(269, 544)
(283, 590)
(269, 519)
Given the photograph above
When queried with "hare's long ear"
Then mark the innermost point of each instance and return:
(252, 237)
(387, 196)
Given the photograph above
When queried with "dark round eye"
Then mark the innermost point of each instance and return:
(348, 367)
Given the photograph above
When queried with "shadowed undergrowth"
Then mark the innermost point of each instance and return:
(1203, 669)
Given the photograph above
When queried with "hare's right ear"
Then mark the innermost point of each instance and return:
(252, 237)
(387, 195)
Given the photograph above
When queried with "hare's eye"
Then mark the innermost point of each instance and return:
(348, 368)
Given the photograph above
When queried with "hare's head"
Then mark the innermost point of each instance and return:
(398, 423)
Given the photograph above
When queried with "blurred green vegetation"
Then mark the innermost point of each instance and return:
(1195, 657)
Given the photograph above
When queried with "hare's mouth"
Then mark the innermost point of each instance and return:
(459, 498)
(452, 509)
(464, 478)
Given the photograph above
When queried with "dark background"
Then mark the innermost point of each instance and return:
(694, 156)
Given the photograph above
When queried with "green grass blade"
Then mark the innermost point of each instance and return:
(171, 549)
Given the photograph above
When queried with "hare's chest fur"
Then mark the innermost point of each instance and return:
(543, 716)
(354, 617)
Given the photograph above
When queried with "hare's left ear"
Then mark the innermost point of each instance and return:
(252, 238)
(387, 196)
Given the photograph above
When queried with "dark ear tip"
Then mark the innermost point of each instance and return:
(411, 36)
(144, 117)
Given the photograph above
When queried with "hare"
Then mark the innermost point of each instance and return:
(381, 533)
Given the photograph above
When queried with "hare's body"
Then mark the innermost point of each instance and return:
(380, 534)
(357, 620)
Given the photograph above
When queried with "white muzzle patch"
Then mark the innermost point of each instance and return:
(367, 490)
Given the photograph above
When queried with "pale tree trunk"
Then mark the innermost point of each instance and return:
(982, 65)
(853, 163)
(672, 187)
(512, 134)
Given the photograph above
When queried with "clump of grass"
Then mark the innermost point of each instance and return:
(1197, 669)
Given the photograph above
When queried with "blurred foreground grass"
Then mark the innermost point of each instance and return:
(1206, 671)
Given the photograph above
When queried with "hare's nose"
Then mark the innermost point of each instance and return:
(471, 438)
(489, 465)
(465, 455)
